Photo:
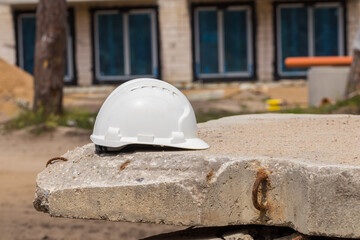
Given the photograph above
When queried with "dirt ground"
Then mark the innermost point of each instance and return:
(22, 156)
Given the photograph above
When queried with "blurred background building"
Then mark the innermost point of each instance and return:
(184, 41)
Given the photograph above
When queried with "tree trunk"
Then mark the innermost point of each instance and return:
(353, 82)
(49, 69)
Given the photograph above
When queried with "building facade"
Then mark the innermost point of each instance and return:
(185, 41)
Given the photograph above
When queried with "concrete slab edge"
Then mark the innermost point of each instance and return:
(314, 199)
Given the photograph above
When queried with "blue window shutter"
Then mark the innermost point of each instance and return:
(326, 31)
(294, 35)
(140, 44)
(208, 41)
(28, 32)
(235, 40)
(111, 46)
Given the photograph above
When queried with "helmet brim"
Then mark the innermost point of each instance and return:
(190, 143)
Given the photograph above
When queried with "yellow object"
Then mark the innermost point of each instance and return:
(274, 104)
(273, 108)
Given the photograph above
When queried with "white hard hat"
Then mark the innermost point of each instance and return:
(146, 111)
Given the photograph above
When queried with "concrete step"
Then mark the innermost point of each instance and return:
(300, 171)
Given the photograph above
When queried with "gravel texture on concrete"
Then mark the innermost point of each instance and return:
(300, 171)
(320, 138)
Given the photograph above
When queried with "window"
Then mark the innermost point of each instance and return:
(125, 44)
(26, 32)
(303, 30)
(223, 42)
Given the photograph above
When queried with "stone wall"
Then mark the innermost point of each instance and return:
(175, 35)
(83, 45)
(7, 35)
(264, 40)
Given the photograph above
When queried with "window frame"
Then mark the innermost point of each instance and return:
(126, 11)
(70, 79)
(342, 40)
(222, 76)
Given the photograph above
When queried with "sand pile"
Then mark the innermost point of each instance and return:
(16, 87)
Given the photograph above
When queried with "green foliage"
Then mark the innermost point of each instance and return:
(78, 118)
(40, 122)
(29, 118)
(349, 106)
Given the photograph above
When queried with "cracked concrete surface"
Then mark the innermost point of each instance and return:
(311, 162)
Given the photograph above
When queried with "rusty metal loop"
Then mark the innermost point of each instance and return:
(262, 177)
(54, 159)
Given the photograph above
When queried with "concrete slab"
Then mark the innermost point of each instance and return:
(300, 171)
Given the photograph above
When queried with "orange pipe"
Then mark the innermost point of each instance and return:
(294, 62)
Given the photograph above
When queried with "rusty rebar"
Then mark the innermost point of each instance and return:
(262, 178)
(123, 166)
(50, 161)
